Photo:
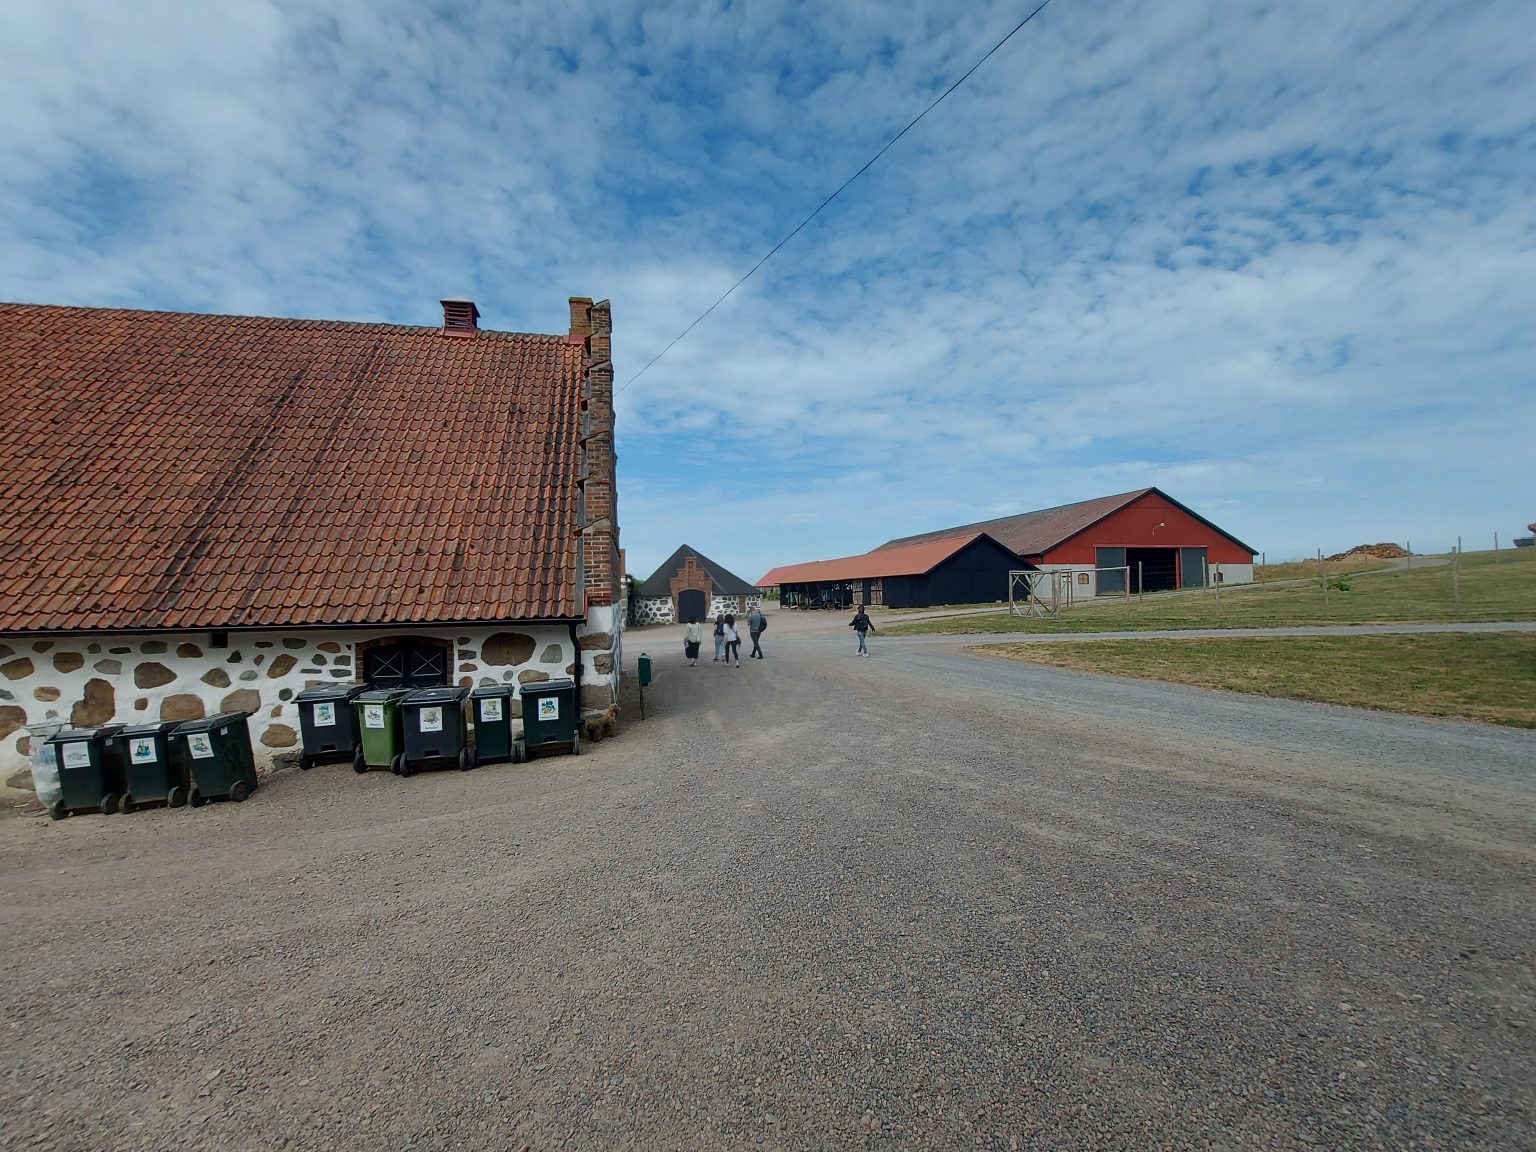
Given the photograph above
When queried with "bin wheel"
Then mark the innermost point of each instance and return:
(57, 810)
(238, 791)
(109, 804)
(519, 753)
(576, 744)
(125, 804)
(306, 763)
(404, 768)
(466, 761)
(359, 765)
(195, 798)
(176, 797)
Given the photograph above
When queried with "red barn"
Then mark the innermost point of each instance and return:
(1145, 536)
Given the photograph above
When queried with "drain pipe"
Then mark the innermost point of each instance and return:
(576, 663)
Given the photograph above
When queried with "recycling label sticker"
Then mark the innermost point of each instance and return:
(373, 715)
(199, 745)
(77, 755)
(143, 752)
(325, 715)
(431, 719)
(490, 709)
(549, 708)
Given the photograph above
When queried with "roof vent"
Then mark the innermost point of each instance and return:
(460, 316)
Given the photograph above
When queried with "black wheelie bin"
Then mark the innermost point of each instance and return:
(436, 734)
(218, 752)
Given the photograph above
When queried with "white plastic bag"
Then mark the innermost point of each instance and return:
(45, 764)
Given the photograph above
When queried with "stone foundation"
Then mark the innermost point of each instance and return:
(90, 680)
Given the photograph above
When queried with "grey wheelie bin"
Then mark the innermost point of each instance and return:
(490, 708)
(379, 740)
(436, 735)
(550, 722)
(154, 766)
(90, 773)
(327, 723)
(218, 752)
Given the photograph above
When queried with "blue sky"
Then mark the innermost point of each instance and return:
(1277, 259)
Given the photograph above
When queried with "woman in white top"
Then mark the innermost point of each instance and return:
(732, 641)
(691, 640)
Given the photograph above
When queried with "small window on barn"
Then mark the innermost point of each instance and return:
(219, 640)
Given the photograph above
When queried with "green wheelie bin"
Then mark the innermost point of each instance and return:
(491, 713)
(90, 773)
(218, 752)
(435, 731)
(154, 766)
(379, 741)
(327, 723)
(550, 721)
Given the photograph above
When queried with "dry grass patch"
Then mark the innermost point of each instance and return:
(1488, 677)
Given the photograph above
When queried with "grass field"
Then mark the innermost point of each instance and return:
(1494, 586)
(1307, 569)
(1472, 677)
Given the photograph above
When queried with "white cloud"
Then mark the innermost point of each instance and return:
(1022, 304)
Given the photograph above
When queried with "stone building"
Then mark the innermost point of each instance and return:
(210, 513)
(689, 583)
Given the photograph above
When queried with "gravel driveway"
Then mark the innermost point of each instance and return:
(925, 900)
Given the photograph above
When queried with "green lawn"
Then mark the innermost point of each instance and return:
(1471, 677)
(1494, 586)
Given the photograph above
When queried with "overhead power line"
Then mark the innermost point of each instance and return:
(840, 188)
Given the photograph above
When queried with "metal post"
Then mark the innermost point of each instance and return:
(1495, 545)
(1141, 582)
(1408, 548)
(1217, 568)
(1322, 579)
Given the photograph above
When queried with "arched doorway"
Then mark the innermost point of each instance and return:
(691, 604)
(410, 662)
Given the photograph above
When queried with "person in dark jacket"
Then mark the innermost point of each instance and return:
(862, 624)
(756, 622)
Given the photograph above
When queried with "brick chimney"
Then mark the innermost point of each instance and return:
(592, 325)
(460, 316)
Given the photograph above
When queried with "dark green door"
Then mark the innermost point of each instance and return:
(691, 605)
(1111, 583)
(1191, 567)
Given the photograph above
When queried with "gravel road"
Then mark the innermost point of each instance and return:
(925, 900)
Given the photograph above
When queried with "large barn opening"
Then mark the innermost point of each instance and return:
(1153, 569)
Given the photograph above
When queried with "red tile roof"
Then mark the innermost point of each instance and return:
(913, 561)
(167, 470)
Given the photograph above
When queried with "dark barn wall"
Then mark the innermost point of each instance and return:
(974, 575)
(906, 592)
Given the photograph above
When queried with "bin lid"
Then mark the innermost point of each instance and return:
(209, 723)
(436, 696)
(323, 693)
(493, 690)
(70, 735)
(382, 695)
(157, 728)
(544, 687)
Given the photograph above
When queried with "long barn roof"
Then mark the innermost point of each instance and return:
(1035, 533)
(913, 560)
(171, 470)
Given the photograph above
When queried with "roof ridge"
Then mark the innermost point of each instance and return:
(295, 321)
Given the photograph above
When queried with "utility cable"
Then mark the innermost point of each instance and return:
(867, 166)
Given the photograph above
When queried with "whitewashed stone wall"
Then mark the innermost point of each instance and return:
(100, 679)
(730, 604)
(654, 611)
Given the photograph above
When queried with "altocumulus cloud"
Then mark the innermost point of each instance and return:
(1277, 259)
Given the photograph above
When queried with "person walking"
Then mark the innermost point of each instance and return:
(719, 636)
(732, 640)
(757, 623)
(691, 639)
(862, 624)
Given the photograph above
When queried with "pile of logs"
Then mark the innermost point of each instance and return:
(1380, 551)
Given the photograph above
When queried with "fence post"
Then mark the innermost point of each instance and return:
(1495, 545)
(1322, 579)
(1456, 575)
(1217, 568)
(1408, 548)
(1141, 583)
